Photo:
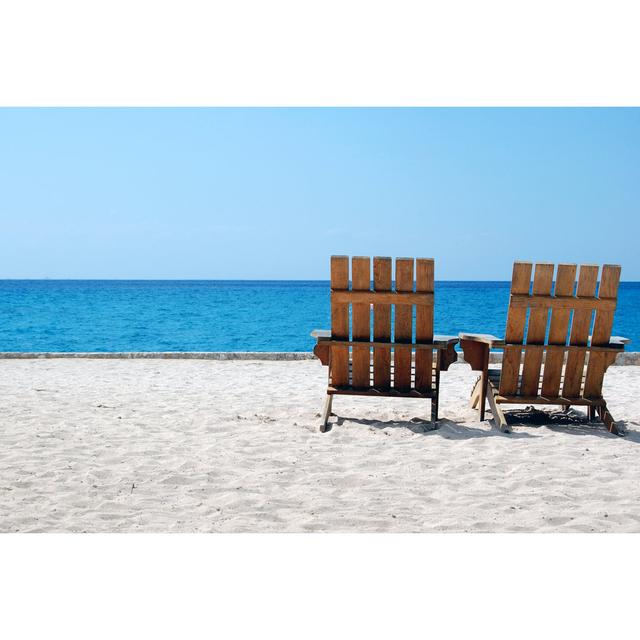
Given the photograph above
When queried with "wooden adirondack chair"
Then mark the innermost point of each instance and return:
(549, 357)
(398, 366)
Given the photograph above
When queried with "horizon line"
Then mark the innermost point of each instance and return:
(222, 280)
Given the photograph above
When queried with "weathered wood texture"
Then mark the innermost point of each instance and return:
(514, 335)
(536, 329)
(565, 283)
(361, 328)
(388, 354)
(579, 336)
(389, 357)
(599, 361)
(556, 331)
(424, 325)
(570, 302)
(382, 268)
(339, 360)
(562, 364)
(403, 327)
(381, 297)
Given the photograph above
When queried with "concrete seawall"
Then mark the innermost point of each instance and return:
(629, 358)
(164, 355)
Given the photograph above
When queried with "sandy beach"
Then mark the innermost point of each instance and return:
(210, 446)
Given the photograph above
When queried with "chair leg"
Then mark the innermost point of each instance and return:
(498, 416)
(608, 420)
(436, 387)
(477, 400)
(475, 394)
(484, 382)
(326, 412)
(591, 412)
(434, 408)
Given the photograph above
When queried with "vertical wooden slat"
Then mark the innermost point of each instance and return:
(516, 318)
(339, 322)
(587, 281)
(565, 282)
(361, 326)
(542, 281)
(403, 326)
(382, 325)
(424, 324)
(598, 361)
(604, 318)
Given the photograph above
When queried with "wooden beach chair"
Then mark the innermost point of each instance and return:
(391, 363)
(549, 358)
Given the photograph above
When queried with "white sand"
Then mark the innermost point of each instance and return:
(188, 445)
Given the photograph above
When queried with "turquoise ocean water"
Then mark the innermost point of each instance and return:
(119, 315)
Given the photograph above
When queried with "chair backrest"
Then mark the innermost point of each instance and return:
(550, 321)
(393, 334)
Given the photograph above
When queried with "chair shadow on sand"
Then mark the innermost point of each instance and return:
(447, 429)
(571, 422)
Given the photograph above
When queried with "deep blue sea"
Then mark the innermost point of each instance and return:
(143, 315)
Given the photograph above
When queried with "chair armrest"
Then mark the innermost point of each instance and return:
(476, 347)
(445, 343)
(322, 350)
(485, 338)
(615, 341)
(445, 340)
(446, 350)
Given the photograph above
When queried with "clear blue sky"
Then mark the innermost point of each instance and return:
(272, 193)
